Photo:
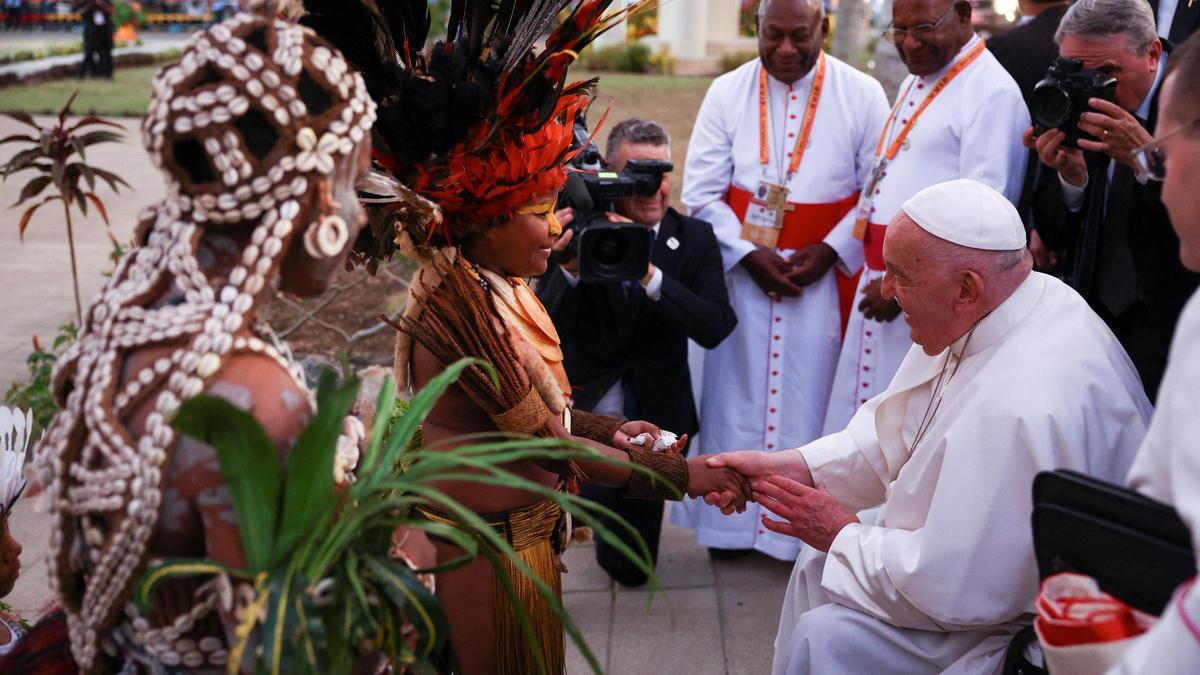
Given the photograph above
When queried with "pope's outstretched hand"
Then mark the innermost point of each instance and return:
(810, 514)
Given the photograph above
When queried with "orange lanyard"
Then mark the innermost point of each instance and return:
(810, 113)
(933, 93)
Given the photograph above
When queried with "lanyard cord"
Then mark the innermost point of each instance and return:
(810, 113)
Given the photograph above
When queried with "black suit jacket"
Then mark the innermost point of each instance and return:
(1186, 21)
(1026, 51)
(1133, 217)
(611, 331)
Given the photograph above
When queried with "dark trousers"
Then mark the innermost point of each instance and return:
(644, 515)
(97, 49)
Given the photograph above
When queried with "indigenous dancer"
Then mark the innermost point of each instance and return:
(482, 126)
(14, 439)
(261, 131)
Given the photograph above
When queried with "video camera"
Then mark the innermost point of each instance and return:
(1059, 99)
(607, 250)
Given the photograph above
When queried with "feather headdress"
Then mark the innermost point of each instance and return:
(481, 122)
(15, 427)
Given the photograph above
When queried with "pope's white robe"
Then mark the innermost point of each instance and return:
(767, 384)
(972, 130)
(1167, 468)
(948, 573)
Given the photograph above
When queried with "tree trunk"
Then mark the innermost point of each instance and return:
(888, 68)
(74, 268)
(850, 34)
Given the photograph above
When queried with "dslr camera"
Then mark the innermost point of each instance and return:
(1059, 99)
(607, 250)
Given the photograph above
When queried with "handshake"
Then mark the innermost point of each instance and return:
(781, 483)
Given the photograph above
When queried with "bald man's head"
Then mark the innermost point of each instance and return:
(790, 36)
(945, 288)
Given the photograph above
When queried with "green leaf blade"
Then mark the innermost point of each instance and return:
(249, 462)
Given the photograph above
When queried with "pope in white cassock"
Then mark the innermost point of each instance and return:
(777, 157)
(1167, 467)
(958, 114)
(1012, 373)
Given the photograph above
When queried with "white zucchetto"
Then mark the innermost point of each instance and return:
(968, 213)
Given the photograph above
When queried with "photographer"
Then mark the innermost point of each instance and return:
(625, 343)
(1104, 209)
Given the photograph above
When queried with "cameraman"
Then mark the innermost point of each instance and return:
(1103, 209)
(625, 344)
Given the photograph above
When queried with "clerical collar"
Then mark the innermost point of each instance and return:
(1003, 319)
(926, 79)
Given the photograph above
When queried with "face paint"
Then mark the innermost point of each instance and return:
(291, 399)
(544, 209)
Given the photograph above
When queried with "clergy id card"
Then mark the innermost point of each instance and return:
(765, 214)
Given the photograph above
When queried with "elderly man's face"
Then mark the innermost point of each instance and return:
(648, 211)
(916, 280)
(790, 36)
(1114, 56)
(935, 31)
(1183, 171)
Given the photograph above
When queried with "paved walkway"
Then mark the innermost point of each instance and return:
(711, 618)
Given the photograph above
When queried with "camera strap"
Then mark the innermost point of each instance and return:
(810, 113)
(898, 143)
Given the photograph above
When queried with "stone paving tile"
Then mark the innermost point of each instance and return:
(679, 635)
(592, 613)
(749, 616)
(681, 563)
(584, 574)
(752, 569)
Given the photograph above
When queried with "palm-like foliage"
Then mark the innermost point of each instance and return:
(58, 155)
(326, 590)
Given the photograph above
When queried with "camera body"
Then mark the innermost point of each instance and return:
(1059, 99)
(607, 250)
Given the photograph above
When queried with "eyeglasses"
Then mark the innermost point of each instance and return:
(1152, 158)
(921, 32)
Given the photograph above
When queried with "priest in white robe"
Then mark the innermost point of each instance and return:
(1011, 374)
(767, 384)
(959, 114)
(1167, 467)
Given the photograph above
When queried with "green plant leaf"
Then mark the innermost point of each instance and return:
(407, 425)
(29, 214)
(91, 196)
(248, 461)
(401, 586)
(32, 189)
(308, 494)
(88, 120)
(101, 136)
(159, 571)
(24, 118)
(111, 178)
(26, 138)
(23, 160)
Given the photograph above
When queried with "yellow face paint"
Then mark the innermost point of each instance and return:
(545, 209)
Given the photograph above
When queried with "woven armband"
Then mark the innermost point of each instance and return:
(526, 417)
(594, 427)
(671, 470)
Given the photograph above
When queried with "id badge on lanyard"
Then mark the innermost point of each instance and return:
(862, 215)
(768, 208)
(765, 214)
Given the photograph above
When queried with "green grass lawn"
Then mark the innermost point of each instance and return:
(670, 101)
(127, 94)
